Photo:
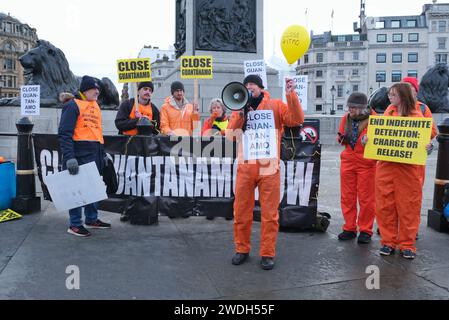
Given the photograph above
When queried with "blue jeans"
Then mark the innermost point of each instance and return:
(90, 211)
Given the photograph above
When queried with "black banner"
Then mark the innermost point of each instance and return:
(195, 176)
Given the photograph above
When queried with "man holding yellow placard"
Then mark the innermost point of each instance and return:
(402, 151)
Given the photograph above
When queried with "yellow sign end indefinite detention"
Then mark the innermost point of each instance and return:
(134, 70)
(8, 215)
(197, 67)
(398, 139)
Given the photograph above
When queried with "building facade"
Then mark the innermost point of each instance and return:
(336, 66)
(16, 38)
(384, 50)
(162, 64)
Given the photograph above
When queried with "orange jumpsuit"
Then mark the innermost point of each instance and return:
(427, 114)
(357, 178)
(264, 174)
(398, 199)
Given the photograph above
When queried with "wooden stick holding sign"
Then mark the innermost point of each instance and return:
(134, 71)
(196, 67)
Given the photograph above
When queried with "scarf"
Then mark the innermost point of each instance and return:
(253, 103)
(355, 126)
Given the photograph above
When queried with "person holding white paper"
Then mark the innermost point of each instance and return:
(81, 141)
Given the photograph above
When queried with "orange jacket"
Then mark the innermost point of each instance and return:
(88, 126)
(178, 121)
(289, 115)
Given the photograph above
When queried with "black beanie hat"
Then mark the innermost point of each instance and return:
(146, 84)
(176, 86)
(88, 83)
(358, 100)
(254, 79)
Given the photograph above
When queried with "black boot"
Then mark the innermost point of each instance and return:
(364, 238)
(240, 258)
(347, 235)
(267, 263)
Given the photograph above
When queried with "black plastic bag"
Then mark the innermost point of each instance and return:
(110, 177)
(379, 100)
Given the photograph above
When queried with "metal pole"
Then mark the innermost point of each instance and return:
(26, 201)
(436, 219)
(333, 105)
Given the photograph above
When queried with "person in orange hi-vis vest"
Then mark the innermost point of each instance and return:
(81, 141)
(356, 173)
(178, 116)
(399, 187)
(129, 114)
(255, 171)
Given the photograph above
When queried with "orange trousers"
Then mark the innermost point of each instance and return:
(248, 178)
(357, 180)
(398, 203)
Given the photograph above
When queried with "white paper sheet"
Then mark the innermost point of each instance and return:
(69, 192)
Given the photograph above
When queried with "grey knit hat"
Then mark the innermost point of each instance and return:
(358, 100)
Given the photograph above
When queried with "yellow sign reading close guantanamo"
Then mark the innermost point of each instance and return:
(197, 67)
(398, 139)
(134, 70)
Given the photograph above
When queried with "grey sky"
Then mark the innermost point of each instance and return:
(95, 33)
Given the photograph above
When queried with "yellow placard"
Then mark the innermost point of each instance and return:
(8, 215)
(398, 139)
(197, 67)
(134, 70)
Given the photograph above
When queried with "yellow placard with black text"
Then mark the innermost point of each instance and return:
(197, 67)
(134, 70)
(398, 139)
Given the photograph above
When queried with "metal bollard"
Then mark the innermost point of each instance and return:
(26, 201)
(436, 219)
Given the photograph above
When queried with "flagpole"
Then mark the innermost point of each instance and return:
(332, 21)
(307, 18)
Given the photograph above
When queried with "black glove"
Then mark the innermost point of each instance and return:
(72, 166)
(343, 139)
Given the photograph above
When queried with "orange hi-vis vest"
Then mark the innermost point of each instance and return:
(146, 111)
(88, 126)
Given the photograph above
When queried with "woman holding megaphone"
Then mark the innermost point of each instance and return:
(258, 167)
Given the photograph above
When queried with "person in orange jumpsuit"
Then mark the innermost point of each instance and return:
(399, 187)
(178, 116)
(425, 110)
(357, 174)
(261, 173)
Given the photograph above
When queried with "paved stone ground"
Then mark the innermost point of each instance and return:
(190, 259)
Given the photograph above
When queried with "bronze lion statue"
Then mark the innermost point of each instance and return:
(433, 91)
(47, 66)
